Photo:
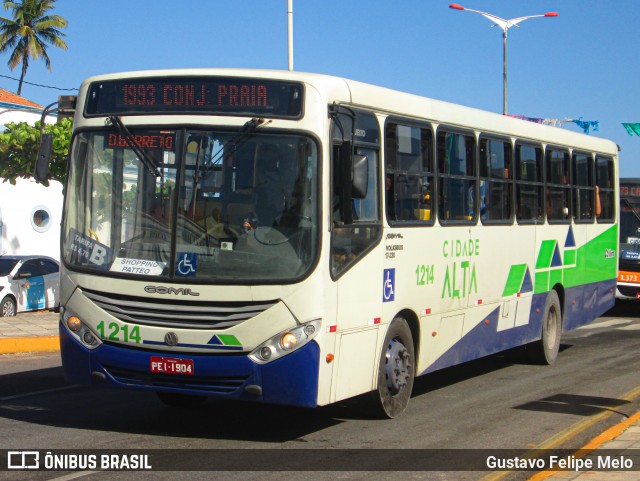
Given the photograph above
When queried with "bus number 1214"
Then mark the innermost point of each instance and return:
(424, 275)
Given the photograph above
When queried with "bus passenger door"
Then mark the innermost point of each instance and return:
(357, 265)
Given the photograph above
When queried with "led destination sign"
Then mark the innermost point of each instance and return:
(630, 188)
(156, 141)
(195, 95)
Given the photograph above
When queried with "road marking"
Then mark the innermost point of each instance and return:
(609, 323)
(35, 393)
(74, 476)
(631, 327)
(572, 431)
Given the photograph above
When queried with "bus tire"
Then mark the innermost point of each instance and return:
(545, 351)
(396, 370)
(179, 400)
(8, 307)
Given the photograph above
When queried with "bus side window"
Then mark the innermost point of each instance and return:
(605, 186)
(496, 184)
(457, 192)
(558, 191)
(529, 185)
(583, 188)
(350, 241)
(409, 173)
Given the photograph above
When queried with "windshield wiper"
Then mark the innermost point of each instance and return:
(633, 209)
(234, 143)
(135, 146)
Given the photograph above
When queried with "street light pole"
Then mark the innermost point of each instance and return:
(290, 32)
(504, 25)
(504, 71)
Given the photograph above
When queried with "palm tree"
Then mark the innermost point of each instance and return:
(29, 33)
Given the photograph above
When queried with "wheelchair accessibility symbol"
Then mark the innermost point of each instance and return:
(389, 285)
(186, 264)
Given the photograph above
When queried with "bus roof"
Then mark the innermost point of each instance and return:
(396, 103)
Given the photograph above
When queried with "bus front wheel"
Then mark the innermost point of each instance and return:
(545, 351)
(396, 370)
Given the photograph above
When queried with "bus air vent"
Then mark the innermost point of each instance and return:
(175, 313)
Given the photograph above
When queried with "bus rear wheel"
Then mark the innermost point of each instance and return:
(545, 351)
(396, 370)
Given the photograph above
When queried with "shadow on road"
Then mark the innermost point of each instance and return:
(628, 308)
(143, 413)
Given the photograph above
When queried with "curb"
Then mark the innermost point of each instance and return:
(592, 446)
(13, 345)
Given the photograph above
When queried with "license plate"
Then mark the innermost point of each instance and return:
(171, 365)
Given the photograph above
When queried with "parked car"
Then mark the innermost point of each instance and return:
(28, 283)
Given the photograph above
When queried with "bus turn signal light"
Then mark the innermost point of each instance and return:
(74, 324)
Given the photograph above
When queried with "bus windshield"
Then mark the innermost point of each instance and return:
(630, 229)
(189, 204)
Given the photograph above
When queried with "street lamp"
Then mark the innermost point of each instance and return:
(504, 25)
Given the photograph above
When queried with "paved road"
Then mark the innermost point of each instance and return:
(491, 403)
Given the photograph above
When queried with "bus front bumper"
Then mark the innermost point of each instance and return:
(290, 380)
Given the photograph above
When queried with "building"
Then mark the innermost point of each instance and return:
(14, 108)
(30, 213)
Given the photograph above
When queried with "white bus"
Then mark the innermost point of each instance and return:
(299, 239)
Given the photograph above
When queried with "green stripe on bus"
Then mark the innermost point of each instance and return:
(229, 340)
(514, 281)
(596, 260)
(546, 254)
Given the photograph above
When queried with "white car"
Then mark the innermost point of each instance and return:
(28, 283)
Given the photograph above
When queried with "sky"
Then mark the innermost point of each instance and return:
(581, 64)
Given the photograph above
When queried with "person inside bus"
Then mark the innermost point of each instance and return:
(274, 184)
(390, 197)
(556, 204)
(471, 200)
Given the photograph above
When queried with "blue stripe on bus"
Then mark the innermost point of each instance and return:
(290, 380)
(582, 305)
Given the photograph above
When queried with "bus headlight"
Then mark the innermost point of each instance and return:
(285, 342)
(79, 330)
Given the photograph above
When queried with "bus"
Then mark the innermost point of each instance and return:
(300, 239)
(629, 273)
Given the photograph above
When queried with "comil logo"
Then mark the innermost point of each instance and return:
(23, 460)
(180, 291)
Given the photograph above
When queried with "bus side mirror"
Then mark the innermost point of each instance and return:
(45, 152)
(360, 177)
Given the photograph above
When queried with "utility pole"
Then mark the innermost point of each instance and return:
(290, 31)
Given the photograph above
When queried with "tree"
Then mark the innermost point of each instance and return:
(29, 33)
(19, 148)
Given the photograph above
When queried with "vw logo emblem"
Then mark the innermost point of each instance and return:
(171, 339)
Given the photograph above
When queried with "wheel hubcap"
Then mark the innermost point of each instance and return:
(7, 310)
(398, 366)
